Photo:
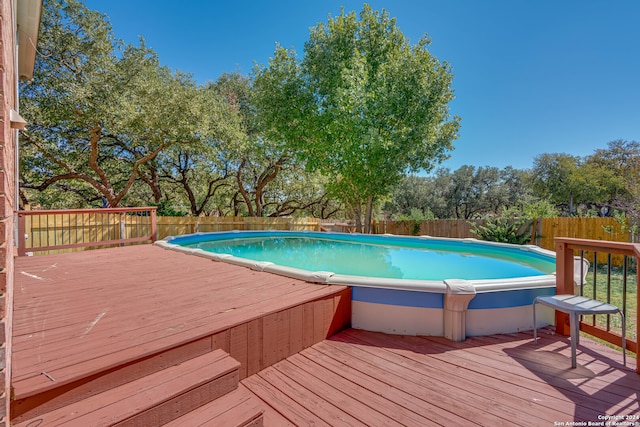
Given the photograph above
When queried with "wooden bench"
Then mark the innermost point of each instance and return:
(576, 305)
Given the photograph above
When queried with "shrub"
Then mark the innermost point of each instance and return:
(508, 227)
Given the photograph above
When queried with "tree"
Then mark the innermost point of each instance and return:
(616, 170)
(267, 179)
(619, 176)
(551, 176)
(362, 107)
(199, 167)
(413, 193)
(594, 181)
(98, 111)
(466, 193)
(473, 192)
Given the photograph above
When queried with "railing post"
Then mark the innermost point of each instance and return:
(22, 250)
(122, 230)
(152, 215)
(564, 283)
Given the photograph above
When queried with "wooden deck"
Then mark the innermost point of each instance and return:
(361, 378)
(78, 315)
(91, 321)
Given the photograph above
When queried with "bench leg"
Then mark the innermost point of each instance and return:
(574, 325)
(535, 325)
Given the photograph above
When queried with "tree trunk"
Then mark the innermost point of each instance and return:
(241, 189)
(357, 213)
(368, 214)
(570, 203)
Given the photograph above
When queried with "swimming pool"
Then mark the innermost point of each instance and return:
(403, 285)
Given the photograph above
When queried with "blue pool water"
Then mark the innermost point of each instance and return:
(378, 256)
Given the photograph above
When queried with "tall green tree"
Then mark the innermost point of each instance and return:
(473, 192)
(552, 178)
(99, 112)
(362, 107)
(199, 168)
(617, 170)
(594, 181)
(268, 180)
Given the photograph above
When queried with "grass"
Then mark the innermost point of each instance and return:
(615, 296)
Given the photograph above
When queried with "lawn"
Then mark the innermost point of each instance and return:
(611, 288)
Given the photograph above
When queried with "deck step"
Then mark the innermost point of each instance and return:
(238, 408)
(69, 385)
(153, 400)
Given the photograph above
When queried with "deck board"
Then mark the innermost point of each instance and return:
(486, 381)
(82, 312)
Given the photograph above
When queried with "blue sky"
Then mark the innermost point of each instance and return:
(531, 77)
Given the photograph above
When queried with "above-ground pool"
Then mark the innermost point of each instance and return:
(403, 285)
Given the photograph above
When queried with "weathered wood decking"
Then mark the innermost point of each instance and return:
(79, 314)
(367, 378)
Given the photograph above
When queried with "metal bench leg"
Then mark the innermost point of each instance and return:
(575, 332)
(535, 325)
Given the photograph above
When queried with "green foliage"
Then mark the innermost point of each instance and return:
(622, 159)
(569, 181)
(468, 192)
(552, 178)
(615, 295)
(625, 225)
(335, 132)
(167, 208)
(362, 107)
(505, 228)
(530, 209)
(97, 111)
(413, 193)
(415, 218)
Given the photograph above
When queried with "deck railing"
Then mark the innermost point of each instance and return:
(51, 230)
(619, 287)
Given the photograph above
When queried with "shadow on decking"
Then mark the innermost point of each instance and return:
(599, 386)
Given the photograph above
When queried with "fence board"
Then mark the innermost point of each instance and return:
(78, 228)
(453, 228)
(607, 229)
(175, 226)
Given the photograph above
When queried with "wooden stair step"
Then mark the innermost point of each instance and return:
(78, 387)
(152, 400)
(238, 408)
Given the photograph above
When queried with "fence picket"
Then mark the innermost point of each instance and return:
(81, 227)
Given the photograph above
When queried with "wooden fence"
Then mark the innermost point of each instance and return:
(453, 228)
(84, 228)
(175, 226)
(54, 231)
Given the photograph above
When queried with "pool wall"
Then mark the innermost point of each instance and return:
(451, 308)
(397, 311)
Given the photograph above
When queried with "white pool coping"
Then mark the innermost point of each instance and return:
(331, 278)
